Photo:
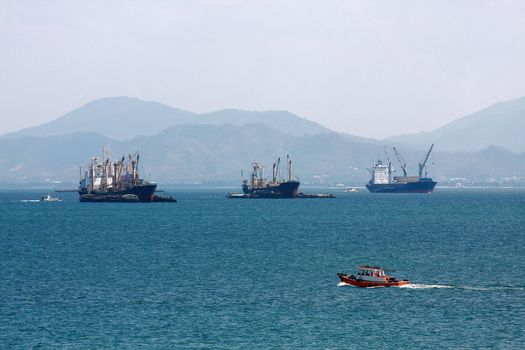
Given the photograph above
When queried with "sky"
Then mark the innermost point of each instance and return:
(368, 68)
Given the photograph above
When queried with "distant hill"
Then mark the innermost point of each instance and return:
(499, 125)
(123, 118)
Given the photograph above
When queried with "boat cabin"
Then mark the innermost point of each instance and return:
(370, 271)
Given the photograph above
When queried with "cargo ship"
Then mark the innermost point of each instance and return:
(260, 187)
(107, 181)
(383, 181)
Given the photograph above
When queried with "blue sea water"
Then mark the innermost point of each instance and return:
(216, 273)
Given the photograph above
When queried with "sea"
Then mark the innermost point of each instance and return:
(209, 272)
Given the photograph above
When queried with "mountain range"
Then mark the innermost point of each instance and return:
(501, 125)
(178, 146)
(123, 118)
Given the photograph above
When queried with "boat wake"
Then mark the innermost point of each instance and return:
(425, 286)
(476, 288)
(30, 200)
(442, 286)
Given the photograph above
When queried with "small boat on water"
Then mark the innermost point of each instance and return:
(371, 276)
(351, 189)
(48, 198)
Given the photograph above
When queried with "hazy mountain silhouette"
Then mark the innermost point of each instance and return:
(123, 118)
(501, 124)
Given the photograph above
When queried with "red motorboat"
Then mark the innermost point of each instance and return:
(371, 276)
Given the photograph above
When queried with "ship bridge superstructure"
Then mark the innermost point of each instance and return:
(380, 173)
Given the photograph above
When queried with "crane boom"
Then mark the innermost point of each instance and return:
(422, 165)
(401, 161)
(276, 171)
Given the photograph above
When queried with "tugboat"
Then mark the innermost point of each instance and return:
(105, 181)
(383, 181)
(371, 276)
(260, 187)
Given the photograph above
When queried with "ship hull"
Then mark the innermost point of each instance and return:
(143, 192)
(422, 186)
(286, 189)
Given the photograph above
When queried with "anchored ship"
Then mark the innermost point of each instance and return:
(107, 181)
(383, 181)
(260, 187)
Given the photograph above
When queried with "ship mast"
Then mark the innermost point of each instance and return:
(137, 169)
(254, 173)
(92, 174)
(289, 161)
(389, 163)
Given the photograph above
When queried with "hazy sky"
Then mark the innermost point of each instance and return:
(370, 68)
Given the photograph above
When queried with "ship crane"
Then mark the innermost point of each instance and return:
(422, 165)
(401, 160)
(276, 169)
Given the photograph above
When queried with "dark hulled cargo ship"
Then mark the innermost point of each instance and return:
(383, 181)
(119, 181)
(260, 187)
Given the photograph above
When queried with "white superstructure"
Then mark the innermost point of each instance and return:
(380, 173)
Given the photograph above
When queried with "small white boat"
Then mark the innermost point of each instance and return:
(352, 189)
(48, 198)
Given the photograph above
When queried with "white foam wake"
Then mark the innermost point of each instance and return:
(425, 286)
(477, 288)
(442, 286)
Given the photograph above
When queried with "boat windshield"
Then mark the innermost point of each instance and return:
(371, 272)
